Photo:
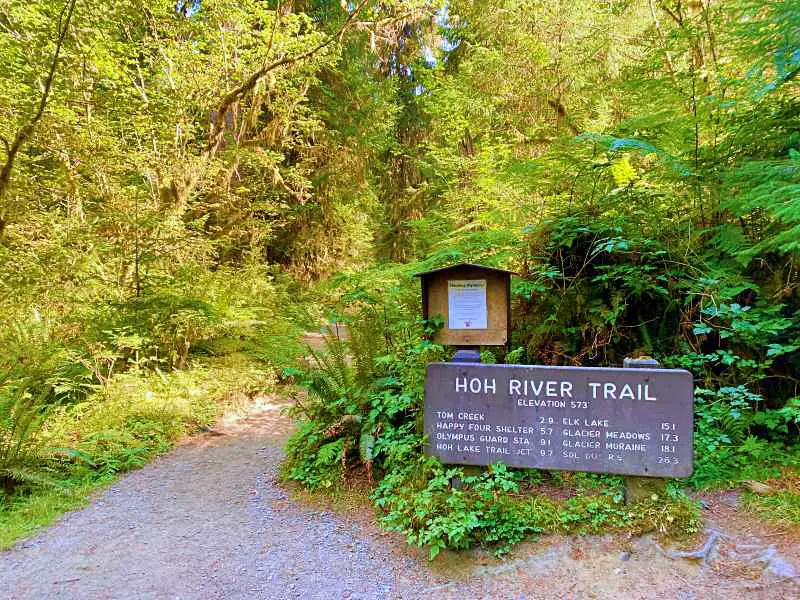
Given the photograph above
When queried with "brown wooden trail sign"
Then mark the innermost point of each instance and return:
(474, 300)
(607, 420)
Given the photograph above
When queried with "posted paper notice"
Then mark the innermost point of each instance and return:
(466, 304)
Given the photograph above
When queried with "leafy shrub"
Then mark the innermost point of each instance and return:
(596, 291)
(357, 408)
(598, 288)
(159, 329)
(421, 501)
(37, 374)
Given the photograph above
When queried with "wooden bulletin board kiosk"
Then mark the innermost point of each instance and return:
(474, 300)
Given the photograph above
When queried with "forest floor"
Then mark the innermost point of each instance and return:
(209, 520)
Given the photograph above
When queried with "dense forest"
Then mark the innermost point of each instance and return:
(185, 187)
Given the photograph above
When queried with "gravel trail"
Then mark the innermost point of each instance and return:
(209, 521)
(205, 521)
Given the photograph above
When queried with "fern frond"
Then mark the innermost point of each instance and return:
(28, 475)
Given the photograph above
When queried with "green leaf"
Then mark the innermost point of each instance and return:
(366, 447)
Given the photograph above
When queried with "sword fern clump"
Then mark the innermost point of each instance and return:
(36, 375)
(357, 411)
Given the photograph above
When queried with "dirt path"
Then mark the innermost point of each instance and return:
(209, 521)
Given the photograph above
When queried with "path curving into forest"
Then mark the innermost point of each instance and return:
(209, 521)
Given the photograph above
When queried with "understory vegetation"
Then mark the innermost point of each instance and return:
(185, 187)
(80, 405)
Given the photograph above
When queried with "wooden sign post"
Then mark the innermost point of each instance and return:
(636, 421)
(475, 302)
(641, 488)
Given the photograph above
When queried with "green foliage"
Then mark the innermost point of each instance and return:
(136, 416)
(91, 390)
(597, 290)
(363, 398)
(440, 516)
(421, 501)
(36, 375)
(781, 507)
(158, 329)
(736, 441)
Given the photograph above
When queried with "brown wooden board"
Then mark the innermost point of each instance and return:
(497, 302)
(607, 420)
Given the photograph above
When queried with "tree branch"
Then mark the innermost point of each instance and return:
(561, 111)
(27, 130)
(218, 126)
(678, 18)
(662, 39)
(177, 191)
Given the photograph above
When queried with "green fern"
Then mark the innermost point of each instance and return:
(22, 457)
(330, 453)
(337, 408)
(35, 377)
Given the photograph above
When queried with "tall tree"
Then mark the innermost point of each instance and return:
(24, 132)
